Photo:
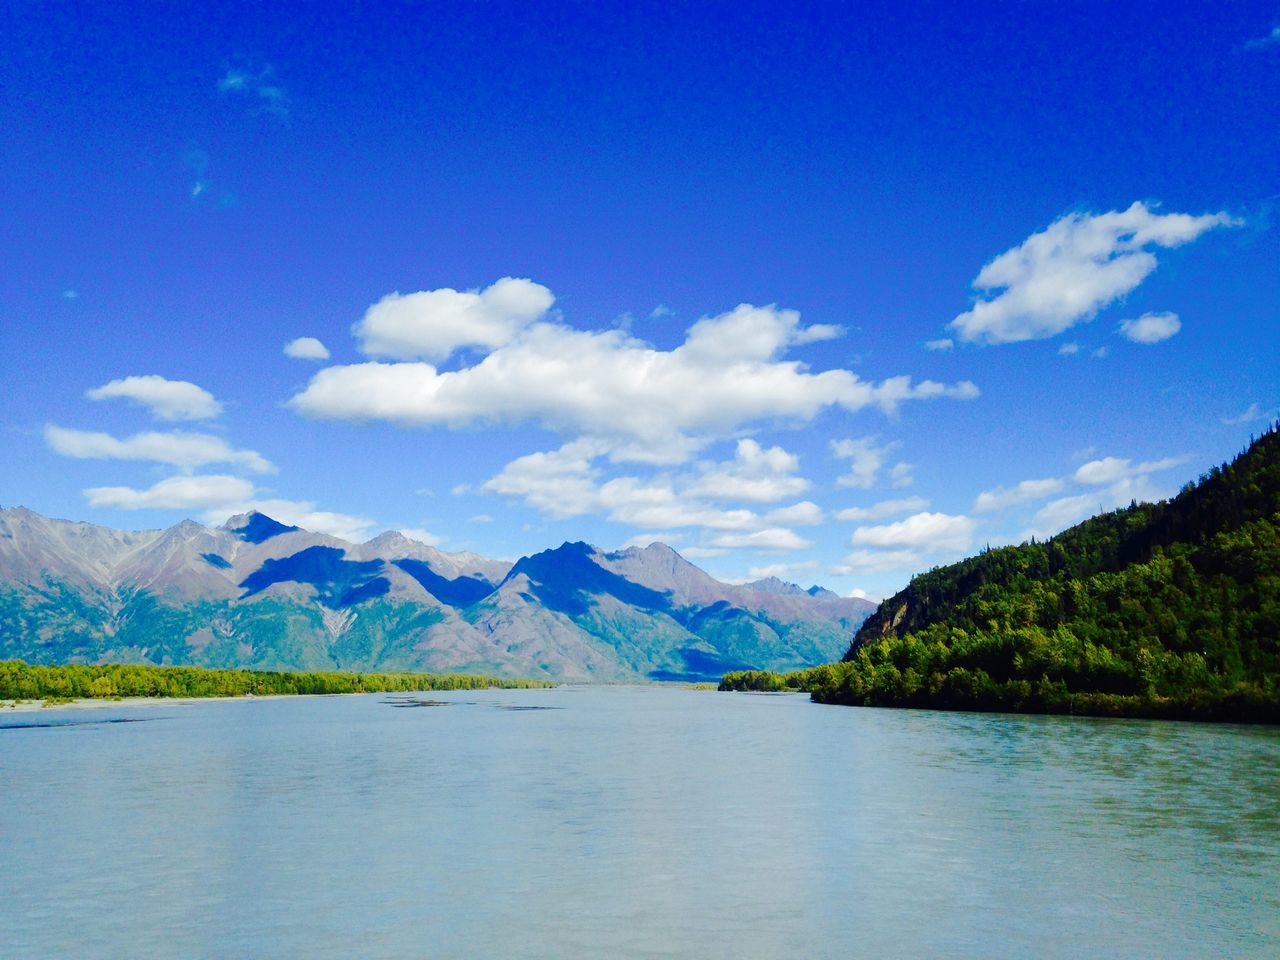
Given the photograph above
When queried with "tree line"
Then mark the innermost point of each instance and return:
(23, 681)
(1162, 610)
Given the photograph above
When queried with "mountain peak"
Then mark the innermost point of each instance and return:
(776, 585)
(255, 527)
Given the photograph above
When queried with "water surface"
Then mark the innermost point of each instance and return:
(631, 822)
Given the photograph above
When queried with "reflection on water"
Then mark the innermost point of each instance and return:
(635, 822)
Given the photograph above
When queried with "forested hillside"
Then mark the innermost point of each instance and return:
(1168, 609)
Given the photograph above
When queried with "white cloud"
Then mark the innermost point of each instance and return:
(422, 536)
(432, 324)
(185, 493)
(220, 497)
(884, 509)
(877, 561)
(298, 513)
(1151, 327)
(945, 343)
(806, 513)
(866, 458)
(901, 475)
(650, 405)
(1111, 469)
(780, 570)
(932, 532)
(1025, 492)
(771, 538)
(756, 475)
(306, 348)
(481, 518)
(70, 294)
(1068, 349)
(166, 399)
(569, 482)
(1066, 273)
(1253, 413)
(701, 553)
(642, 540)
(180, 449)
(1120, 490)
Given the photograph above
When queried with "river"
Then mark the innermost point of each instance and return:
(628, 822)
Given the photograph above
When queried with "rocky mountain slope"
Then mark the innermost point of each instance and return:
(257, 593)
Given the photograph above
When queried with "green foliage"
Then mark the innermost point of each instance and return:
(1160, 610)
(22, 681)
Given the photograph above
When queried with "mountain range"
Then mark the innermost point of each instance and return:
(257, 593)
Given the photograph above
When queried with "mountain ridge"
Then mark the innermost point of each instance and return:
(258, 593)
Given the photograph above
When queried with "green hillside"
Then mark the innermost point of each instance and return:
(1165, 610)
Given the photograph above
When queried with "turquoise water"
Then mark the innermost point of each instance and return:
(631, 822)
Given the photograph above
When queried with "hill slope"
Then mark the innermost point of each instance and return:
(1168, 609)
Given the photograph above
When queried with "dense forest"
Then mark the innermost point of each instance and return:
(22, 681)
(1163, 610)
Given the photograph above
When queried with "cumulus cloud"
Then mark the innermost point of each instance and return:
(755, 475)
(806, 513)
(432, 324)
(933, 532)
(1111, 469)
(166, 399)
(643, 540)
(421, 536)
(306, 348)
(884, 509)
(1068, 349)
(185, 493)
(781, 570)
(651, 405)
(866, 458)
(298, 513)
(945, 343)
(877, 561)
(180, 449)
(1066, 273)
(1115, 486)
(571, 481)
(771, 538)
(1151, 327)
(1025, 492)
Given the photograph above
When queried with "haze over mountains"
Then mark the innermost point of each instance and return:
(259, 594)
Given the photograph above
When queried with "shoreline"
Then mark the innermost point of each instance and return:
(92, 703)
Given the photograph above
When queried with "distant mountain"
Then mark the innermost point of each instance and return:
(258, 593)
(1164, 609)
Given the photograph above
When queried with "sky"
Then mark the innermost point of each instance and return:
(836, 295)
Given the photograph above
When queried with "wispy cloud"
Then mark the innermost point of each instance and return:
(1252, 414)
(261, 85)
(187, 451)
(1269, 40)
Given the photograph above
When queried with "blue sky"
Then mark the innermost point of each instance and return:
(836, 296)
